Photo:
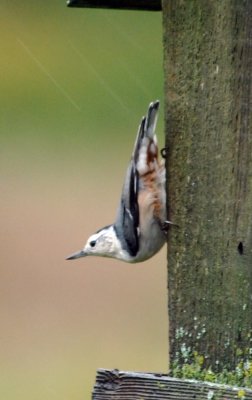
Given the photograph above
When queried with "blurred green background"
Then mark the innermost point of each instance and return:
(74, 85)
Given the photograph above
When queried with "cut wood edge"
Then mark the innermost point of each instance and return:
(115, 384)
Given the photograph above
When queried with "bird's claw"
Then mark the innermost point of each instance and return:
(165, 225)
(164, 152)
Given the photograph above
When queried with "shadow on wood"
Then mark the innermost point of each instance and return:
(150, 5)
(117, 385)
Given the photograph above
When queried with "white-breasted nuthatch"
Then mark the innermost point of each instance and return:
(139, 230)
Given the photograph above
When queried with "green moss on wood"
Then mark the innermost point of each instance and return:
(241, 376)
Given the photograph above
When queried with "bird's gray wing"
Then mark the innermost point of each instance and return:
(127, 221)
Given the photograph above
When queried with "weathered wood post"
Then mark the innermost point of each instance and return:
(208, 116)
(208, 123)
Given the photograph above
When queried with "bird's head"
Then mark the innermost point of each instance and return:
(103, 243)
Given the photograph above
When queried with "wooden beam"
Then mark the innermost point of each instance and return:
(208, 112)
(116, 385)
(144, 5)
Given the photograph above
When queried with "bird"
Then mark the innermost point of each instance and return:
(141, 224)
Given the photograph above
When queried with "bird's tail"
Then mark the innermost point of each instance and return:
(145, 149)
(151, 120)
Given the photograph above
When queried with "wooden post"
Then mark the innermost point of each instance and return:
(208, 116)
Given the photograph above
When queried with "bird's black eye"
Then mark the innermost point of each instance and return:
(92, 243)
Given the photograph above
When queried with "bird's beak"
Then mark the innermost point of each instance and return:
(78, 254)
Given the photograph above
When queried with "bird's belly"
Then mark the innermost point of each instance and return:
(152, 214)
(151, 242)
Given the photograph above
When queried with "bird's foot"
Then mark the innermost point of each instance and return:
(165, 225)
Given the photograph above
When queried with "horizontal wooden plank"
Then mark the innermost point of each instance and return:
(121, 385)
(144, 5)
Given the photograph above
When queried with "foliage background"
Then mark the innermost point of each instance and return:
(73, 86)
